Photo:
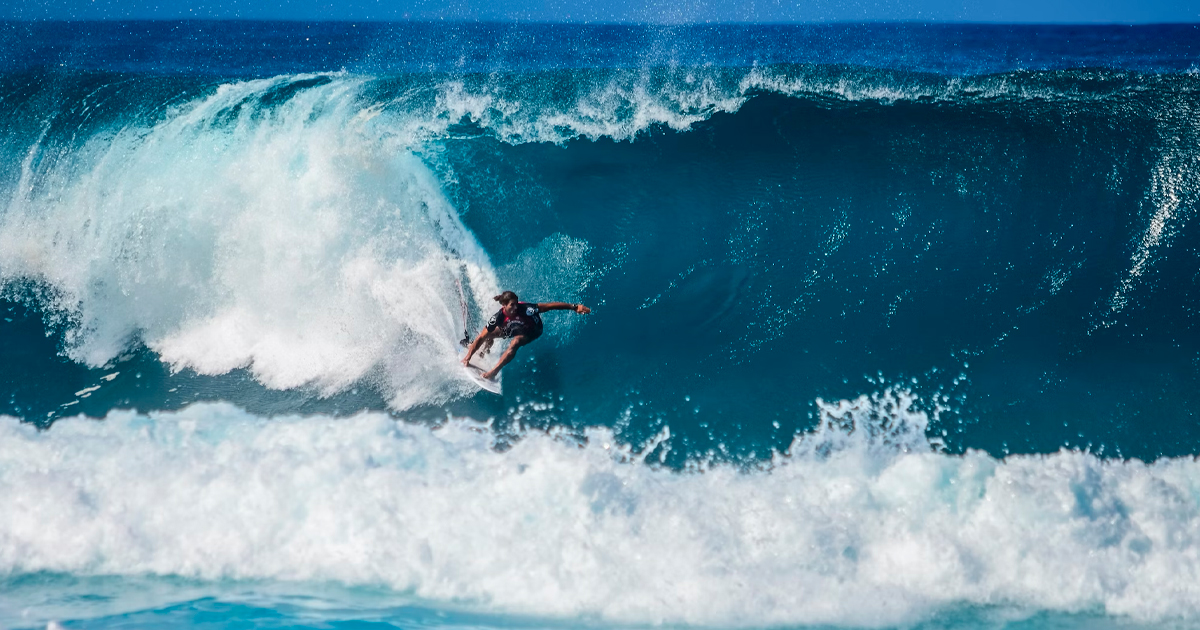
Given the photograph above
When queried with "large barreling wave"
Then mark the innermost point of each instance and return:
(744, 231)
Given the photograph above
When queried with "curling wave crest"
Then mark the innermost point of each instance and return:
(262, 226)
(621, 104)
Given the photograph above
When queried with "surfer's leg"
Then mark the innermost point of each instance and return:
(508, 355)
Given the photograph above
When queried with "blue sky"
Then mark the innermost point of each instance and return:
(656, 11)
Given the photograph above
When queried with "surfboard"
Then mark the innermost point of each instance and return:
(475, 372)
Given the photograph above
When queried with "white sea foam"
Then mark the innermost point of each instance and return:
(248, 230)
(619, 106)
(863, 522)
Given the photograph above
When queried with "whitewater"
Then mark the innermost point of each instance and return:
(894, 325)
(884, 528)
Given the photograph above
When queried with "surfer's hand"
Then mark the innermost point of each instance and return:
(466, 361)
(582, 310)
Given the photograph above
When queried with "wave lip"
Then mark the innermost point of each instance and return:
(624, 103)
(862, 522)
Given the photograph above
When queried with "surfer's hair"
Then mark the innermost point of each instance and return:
(508, 297)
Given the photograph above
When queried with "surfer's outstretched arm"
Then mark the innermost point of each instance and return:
(564, 306)
(508, 355)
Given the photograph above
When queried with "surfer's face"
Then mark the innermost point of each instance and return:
(510, 308)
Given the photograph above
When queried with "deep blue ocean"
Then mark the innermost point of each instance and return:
(894, 326)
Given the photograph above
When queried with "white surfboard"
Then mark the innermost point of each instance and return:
(475, 372)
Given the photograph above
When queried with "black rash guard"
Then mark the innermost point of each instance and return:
(526, 322)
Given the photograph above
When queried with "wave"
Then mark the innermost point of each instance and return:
(864, 510)
(823, 222)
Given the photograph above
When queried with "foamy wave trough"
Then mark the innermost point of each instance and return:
(863, 522)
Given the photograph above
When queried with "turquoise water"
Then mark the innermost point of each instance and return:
(894, 325)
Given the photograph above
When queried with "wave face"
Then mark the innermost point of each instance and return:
(755, 239)
(252, 256)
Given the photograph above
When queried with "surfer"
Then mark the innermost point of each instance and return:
(516, 320)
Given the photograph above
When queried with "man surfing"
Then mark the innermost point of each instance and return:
(516, 320)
